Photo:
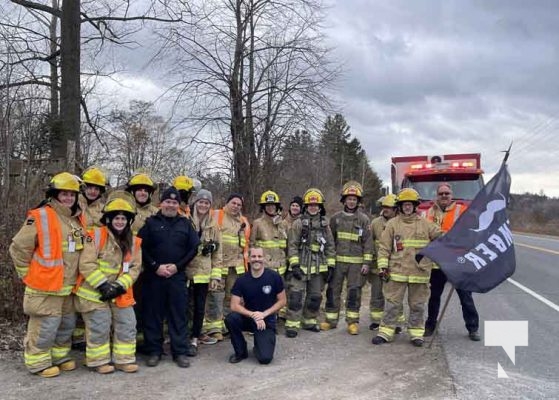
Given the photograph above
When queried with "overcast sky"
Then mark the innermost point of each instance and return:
(446, 76)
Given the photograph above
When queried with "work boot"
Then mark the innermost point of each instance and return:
(129, 368)
(217, 336)
(428, 331)
(474, 336)
(379, 340)
(353, 328)
(105, 369)
(49, 372)
(234, 358)
(182, 361)
(153, 360)
(66, 366)
(374, 326)
(312, 328)
(417, 342)
(290, 333)
(326, 326)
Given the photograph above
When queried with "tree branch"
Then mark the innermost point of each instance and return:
(38, 6)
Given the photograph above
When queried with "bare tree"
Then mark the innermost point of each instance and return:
(252, 71)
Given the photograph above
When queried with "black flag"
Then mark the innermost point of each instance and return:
(477, 254)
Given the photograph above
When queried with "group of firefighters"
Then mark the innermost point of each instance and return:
(79, 251)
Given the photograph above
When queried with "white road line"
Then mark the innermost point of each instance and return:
(552, 239)
(532, 293)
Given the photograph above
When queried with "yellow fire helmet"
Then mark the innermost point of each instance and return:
(94, 176)
(119, 204)
(408, 194)
(65, 181)
(269, 197)
(313, 196)
(183, 182)
(352, 188)
(140, 179)
(388, 201)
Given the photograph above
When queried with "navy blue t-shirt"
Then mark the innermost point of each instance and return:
(260, 293)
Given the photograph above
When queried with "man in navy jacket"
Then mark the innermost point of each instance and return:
(169, 243)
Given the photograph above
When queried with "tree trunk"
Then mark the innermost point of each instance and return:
(70, 91)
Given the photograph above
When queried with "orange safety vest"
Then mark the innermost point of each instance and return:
(46, 269)
(449, 216)
(100, 237)
(218, 216)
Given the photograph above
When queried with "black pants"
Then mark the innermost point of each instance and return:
(198, 294)
(469, 312)
(165, 298)
(264, 341)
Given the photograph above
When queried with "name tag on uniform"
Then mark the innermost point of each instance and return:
(71, 244)
(125, 267)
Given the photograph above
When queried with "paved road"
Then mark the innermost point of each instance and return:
(535, 375)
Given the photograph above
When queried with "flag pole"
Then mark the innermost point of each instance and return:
(507, 153)
(439, 320)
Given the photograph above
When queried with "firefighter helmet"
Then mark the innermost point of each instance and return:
(119, 204)
(388, 201)
(140, 179)
(183, 182)
(65, 181)
(269, 197)
(352, 188)
(94, 176)
(313, 196)
(408, 194)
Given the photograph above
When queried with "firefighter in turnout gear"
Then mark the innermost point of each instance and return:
(109, 266)
(235, 237)
(269, 233)
(45, 252)
(294, 212)
(352, 235)
(376, 305)
(311, 260)
(185, 186)
(142, 188)
(403, 236)
(91, 198)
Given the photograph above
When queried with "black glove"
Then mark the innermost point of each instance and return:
(297, 272)
(119, 289)
(418, 258)
(330, 274)
(209, 248)
(108, 291)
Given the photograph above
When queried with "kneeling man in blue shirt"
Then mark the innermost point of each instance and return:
(256, 297)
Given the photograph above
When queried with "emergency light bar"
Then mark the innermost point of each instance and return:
(468, 164)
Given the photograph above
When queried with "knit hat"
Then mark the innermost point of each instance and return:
(298, 200)
(237, 195)
(203, 194)
(170, 193)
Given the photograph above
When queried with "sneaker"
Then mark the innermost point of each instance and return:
(326, 326)
(205, 339)
(105, 369)
(374, 326)
(129, 368)
(379, 340)
(66, 366)
(217, 336)
(417, 342)
(191, 351)
(290, 333)
(353, 328)
(49, 372)
(474, 336)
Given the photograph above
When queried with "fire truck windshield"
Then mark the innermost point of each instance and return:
(463, 187)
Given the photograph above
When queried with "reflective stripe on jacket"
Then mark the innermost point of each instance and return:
(352, 236)
(271, 236)
(235, 241)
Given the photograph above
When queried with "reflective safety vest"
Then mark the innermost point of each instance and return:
(449, 216)
(100, 236)
(46, 269)
(244, 241)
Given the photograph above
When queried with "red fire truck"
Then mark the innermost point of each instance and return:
(424, 173)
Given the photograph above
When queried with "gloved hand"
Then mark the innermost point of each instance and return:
(209, 248)
(119, 289)
(384, 274)
(418, 258)
(108, 291)
(330, 275)
(297, 272)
